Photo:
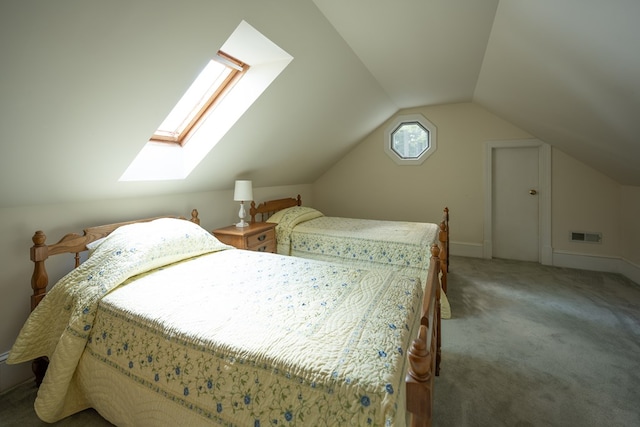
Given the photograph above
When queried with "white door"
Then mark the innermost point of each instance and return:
(515, 199)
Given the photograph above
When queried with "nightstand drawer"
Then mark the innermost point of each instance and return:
(260, 239)
(268, 246)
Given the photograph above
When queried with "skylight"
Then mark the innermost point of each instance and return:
(265, 61)
(216, 77)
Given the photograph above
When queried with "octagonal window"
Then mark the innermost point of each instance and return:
(410, 139)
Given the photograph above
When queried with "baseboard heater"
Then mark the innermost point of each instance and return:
(581, 236)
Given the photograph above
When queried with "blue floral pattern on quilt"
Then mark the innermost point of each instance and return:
(286, 341)
(300, 341)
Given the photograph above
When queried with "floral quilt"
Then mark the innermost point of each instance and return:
(249, 339)
(395, 245)
(399, 245)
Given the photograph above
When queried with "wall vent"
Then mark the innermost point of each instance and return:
(581, 236)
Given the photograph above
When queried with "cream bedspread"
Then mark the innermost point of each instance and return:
(284, 340)
(61, 324)
(397, 245)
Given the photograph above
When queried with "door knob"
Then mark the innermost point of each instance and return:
(533, 192)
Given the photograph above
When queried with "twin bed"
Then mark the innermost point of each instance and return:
(396, 245)
(165, 325)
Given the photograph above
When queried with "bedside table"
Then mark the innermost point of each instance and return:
(259, 236)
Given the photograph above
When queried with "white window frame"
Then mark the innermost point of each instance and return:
(408, 119)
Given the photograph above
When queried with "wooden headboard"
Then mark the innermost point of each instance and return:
(268, 208)
(72, 243)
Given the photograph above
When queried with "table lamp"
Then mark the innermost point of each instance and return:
(243, 192)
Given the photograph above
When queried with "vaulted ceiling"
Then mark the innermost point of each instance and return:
(84, 83)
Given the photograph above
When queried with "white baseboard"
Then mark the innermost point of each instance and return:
(471, 250)
(585, 261)
(12, 375)
(630, 270)
(561, 258)
(597, 263)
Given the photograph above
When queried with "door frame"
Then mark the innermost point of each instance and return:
(545, 251)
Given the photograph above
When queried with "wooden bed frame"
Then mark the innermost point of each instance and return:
(423, 355)
(268, 208)
(72, 243)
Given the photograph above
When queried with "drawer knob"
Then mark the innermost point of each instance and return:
(262, 237)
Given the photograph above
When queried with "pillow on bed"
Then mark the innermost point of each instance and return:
(168, 239)
(92, 246)
(295, 214)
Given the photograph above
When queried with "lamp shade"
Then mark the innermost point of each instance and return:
(243, 191)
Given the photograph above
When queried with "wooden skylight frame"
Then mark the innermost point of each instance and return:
(189, 115)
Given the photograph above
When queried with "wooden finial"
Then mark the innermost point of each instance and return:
(194, 217)
(435, 251)
(419, 357)
(38, 238)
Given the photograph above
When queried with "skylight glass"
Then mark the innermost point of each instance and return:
(213, 80)
(193, 100)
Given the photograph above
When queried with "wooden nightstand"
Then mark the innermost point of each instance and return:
(259, 236)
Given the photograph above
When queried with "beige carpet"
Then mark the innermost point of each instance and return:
(527, 345)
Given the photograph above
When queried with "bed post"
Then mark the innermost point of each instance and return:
(446, 221)
(424, 352)
(443, 237)
(419, 383)
(194, 217)
(39, 278)
(39, 282)
(438, 326)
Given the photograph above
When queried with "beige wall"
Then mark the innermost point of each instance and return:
(17, 225)
(584, 200)
(367, 183)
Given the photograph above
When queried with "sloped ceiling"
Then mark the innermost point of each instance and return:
(83, 83)
(568, 71)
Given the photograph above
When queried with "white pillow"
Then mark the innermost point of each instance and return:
(92, 246)
(295, 215)
(161, 239)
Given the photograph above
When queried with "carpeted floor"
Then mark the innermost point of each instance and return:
(527, 345)
(530, 345)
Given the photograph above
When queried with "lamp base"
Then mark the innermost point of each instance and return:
(242, 214)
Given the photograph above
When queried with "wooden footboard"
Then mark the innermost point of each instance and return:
(445, 219)
(443, 238)
(71, 243)
(424, 354)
